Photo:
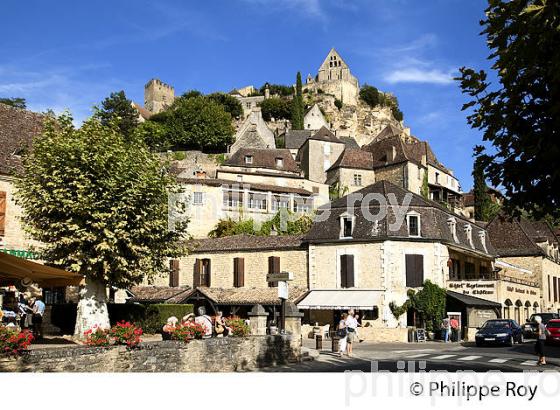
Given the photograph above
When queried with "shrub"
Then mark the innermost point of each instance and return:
(129, 312)
(238, 327)
(338, 103)
(157, 315)
(275, 107)
(126, 333)
(370, 95)
(97, 337)
(13, 342)
(184, 332)
(179, 155)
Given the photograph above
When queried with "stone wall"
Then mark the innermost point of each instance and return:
(212, 355)
(196, 161)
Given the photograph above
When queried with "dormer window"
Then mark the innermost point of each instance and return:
(280, 162)
(452, 224)
(468, 232)
(413, 223)
(248, 159)
(346, 225)
(482, 237)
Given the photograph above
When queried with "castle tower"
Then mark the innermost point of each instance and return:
(158, 95)
(334, 77)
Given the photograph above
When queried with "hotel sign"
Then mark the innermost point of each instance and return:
(480, 289)
(515, 289)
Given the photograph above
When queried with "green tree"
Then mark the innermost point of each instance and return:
(277, 108)
(519, 113)
(277, 89)
(430, 304)
(229, 102)
(16, 102)
(98, 202)
(118, 108)
(425, 189)
(191, 94)
(482, 201)
(197, 122)
(154, 134)
(298, 109)
(230, 227)
(370, 95)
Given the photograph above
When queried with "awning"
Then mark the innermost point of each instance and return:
(472, 301)
(341, 299)
(13, 269)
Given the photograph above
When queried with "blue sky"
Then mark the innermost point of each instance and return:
(72, 54)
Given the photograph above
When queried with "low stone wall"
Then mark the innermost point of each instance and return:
(371, 334)
(228, 354)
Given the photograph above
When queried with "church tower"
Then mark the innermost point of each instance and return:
(334, 77)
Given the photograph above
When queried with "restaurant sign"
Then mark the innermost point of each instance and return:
(482, 289)
(515, 289)
(20, 253)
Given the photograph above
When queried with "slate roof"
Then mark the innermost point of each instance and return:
(294, 139)
(324, 134)
(354, 158)
(245, 242)
(155, 294)
(252, 186)
(433, 220)
(519, 236)
(264, 158)
(244, 296)
(17, 129)
(349, 142)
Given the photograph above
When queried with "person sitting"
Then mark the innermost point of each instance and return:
(204, 320)
(188, 318)
(169, 327)
(220, 326)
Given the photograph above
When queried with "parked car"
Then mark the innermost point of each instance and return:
(499, 331)
(553, 327)
(530, 328)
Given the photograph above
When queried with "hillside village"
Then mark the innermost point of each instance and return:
(497, 268)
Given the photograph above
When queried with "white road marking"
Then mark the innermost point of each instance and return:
(467, 358)
(529, 363)
(498, 360)
(443, 356)
(413, 350)
(418, 355)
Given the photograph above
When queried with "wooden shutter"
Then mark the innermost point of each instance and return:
(414, 270)
(347, 271)
(238, 272)
(174, 273)
(2, 213)
(208, 275)
(273, 267)
(197, 273)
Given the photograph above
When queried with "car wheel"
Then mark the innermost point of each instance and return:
(510, 342)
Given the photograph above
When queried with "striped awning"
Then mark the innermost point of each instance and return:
(341, 299)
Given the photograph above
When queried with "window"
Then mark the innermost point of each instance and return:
(452, 223)
(413, 222)
(198, 198)
(280, 162)
(248, 159)
(257, 200)
(302, 204)
(469, 270)
(201, 273)
(549, 298)
(280, 202)
(419, 173)
(238, 272)
(437, 177)
(455, 269)
(347, 271)
(2, 213)
(468, 232)
(273, 267)
(414, 270)
(357, 180)
(239, 178)
(174, 273)
(346, 226)
(233, 199)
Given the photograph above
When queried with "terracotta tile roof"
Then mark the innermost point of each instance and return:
(513, 237)
(154, 293)
(264, 158)
(245, 242)
(244, 296)
(433, 220)
(324, 134)
(251, 186)
(17, 129)
(354, 158)
(144, 113)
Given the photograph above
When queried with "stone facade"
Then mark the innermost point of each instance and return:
(314, 119)
(212, 355)
(317, 157)
(158, 96)
(253, 133)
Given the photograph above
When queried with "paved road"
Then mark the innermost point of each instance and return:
(427, 356)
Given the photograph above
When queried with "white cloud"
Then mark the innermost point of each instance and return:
(417, 75)
(308, 8)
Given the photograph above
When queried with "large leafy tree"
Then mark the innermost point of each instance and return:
(298, 109)
(482, 200)
(118, 108)
(276, 107)
(197, 122)
(98, 202)
(16, 102)
(520, 114)
(229, 102)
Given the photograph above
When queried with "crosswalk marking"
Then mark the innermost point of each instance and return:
(498, 360)
(418, 355)
(444, 356)
(529, 363)
(467, 358)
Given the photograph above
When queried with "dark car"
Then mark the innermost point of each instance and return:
(499, 331)
(530, 328)
(553, 327)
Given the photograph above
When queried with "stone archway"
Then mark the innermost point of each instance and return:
(507, 309)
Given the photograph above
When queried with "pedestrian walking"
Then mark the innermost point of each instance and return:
(454, 323)
(351, 325)
(541, 339)
(445, 329)
(342, 333)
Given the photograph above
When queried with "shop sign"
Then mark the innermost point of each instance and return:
(24, 254)
(473, 288)
(515, 289)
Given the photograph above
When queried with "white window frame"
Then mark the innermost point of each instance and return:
(468, 233)
(249, 159)
(201, 196)
(452, 224)
(343, 217)
(417, 215)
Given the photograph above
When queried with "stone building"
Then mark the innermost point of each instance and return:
(314, 119)
(528, 255)
(158, 96)
(352, 171)
(318, 153)
(253, 133)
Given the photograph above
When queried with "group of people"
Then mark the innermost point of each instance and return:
(27, 315)
(450, 329)
(347, 332)
(218, 326)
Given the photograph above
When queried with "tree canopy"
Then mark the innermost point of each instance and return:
(277, 108)
(16, 102)
(118, 108)
(229, 102)
(370, 95)
(277, 89)
(519, 114)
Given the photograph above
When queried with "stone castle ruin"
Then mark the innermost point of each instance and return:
(158, 96)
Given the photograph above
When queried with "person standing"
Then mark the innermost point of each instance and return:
(38, 312)
(454, 323)
(352, 325)
(204, 320)
(342, 333)
(541, 339)
(445, 329)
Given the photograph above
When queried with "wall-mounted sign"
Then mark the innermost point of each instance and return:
(473, 288)
(20, 253)
(515, 289)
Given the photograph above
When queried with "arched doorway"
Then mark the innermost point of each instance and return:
(507, 307)
(517, 314)
(535, 307)
(527, 311)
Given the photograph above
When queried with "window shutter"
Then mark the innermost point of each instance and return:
(197, 272)
(414, 270)
(419, 270)
(343, 271)
(350, 271)
(208, 274)
(174, 273)
(273, 267)
(2, 213)
(238, 272)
